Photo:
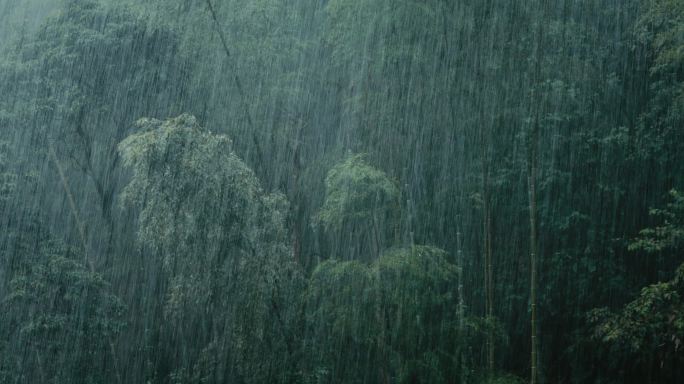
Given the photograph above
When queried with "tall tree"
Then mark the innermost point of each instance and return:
(532, 160)
(230, 285)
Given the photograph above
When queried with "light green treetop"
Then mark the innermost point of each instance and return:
(356, 191)
(222, 241)
(195, 193)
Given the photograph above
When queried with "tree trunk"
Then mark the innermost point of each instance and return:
(490, 292)
(487, 249)
(296, 204)
(531, 181)
(461, 308)
(533, 143)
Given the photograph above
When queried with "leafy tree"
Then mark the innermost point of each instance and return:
(410, 289)
(341, 326)
(667, 236)
(232, 283)
(361, 202)
(62, 319)
(660, 33)
(356, 191)
(648, 332)
(76, 85)
(650, 329)
(418, 302)
(442, 97)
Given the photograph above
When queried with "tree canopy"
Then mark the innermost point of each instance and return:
(341, 191)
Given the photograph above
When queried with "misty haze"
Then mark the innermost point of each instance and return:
(341, 191)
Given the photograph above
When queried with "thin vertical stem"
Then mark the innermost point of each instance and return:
(72, 206)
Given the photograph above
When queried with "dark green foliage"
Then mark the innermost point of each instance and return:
(660, 31)
(404, 295)
(73, 87)
(340, 302)
(418, 301)
(62, 319)
(669, 234)
(281, 255)
(8, 179)
(649, 331)
(503, 379)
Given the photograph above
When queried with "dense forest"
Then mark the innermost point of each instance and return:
(341, 191)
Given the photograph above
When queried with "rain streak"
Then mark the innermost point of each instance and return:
(341, 191)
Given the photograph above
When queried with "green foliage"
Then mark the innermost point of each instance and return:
(477, 329)
(650, 328)
(503, 379)
(370, 36)
(669, 234)
(356, 191)
(654, 318)
(341, 295)
(340, 302)
(661, 33)
(8, 179)
(661, 28)
(223, 246)
(653, 323)
(65, 316)
(417, 284)
(430, 90)
(418, 301)
(194, 194)
(76, 85)
(413, 287)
